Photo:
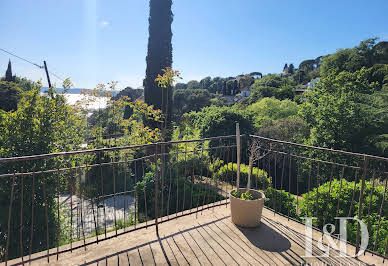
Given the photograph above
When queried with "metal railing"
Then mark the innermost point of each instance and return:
(64, 201)
(310, 177)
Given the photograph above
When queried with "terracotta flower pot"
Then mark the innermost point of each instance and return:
(247, 213)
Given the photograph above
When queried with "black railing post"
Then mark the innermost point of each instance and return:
(156, 189)
(360, 204)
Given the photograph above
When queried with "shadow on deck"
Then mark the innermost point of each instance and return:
(209, 238)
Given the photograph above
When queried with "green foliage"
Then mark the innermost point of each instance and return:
(346, 111)
(184, 194)
(190, 100)
(219, 121)
(10, 93)
(228, 173)
(132, 95)
(40, 125)
(26, 84)
(282, 201)
(315, 203)
(193, 85)
(269, 109)
(350, 60)
(293, 129)
(244, 196)
(272, 85)
(129, 221)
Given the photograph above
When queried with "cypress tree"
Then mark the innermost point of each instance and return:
(8, 73)
(159, 53)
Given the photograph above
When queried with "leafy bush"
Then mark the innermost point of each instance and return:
(285, 202)
(314, 205)
(219, 121)
(228, 173)
(244, 195)
(184, 194)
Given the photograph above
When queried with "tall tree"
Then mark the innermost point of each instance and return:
(8, 73)
(159, 53)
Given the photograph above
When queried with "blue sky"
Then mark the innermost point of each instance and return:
(96, 41)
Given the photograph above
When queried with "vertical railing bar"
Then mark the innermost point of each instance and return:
(238, 157)
(218, 149)
(82, 202)
(371, 197)
(58, 213)
(32, 215)
(156, 190)
(258, 173)
(309, 188)
(184, 180)
(297, 169)
(317, 195)
(353, 194)
(125, 190)
(208, 184)
(114, 192)
(102, 192)
(339, 194)
(274, 196)
(177, 183)
(380, 214)
(328, 195)
(231, 178)
(225, 159)
(386, 250)
(145, 194)
(360, 203)
(135, 193)
(77, 220)
(269, 173)
(281, 184)
(9, 218)
(92, 201)
(200, 180)
(46, 212)
(192, 179)
(169, 187)
(21, 216)
(289, 188)
(162, 172)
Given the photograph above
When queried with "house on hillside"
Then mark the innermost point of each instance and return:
(312, 83)
(245, 93)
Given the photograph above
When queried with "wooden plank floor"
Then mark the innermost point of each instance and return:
(209, 238)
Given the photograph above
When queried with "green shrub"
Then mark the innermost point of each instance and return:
(184, 195)
(244, 195)
(197, 165)
(285, 202)
(311, 207)
(228, 173)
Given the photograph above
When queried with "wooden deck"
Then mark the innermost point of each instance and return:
(209, 238)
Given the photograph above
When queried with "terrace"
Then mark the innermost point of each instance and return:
(83, 207)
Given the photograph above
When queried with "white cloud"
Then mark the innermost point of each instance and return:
(104, 23)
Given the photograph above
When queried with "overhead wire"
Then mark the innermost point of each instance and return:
(32, 63)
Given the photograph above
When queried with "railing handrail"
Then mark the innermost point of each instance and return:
(69, 153)
(323, 149)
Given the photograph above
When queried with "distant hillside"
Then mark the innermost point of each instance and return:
(72, 91)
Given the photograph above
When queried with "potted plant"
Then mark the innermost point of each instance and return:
(246, 204)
